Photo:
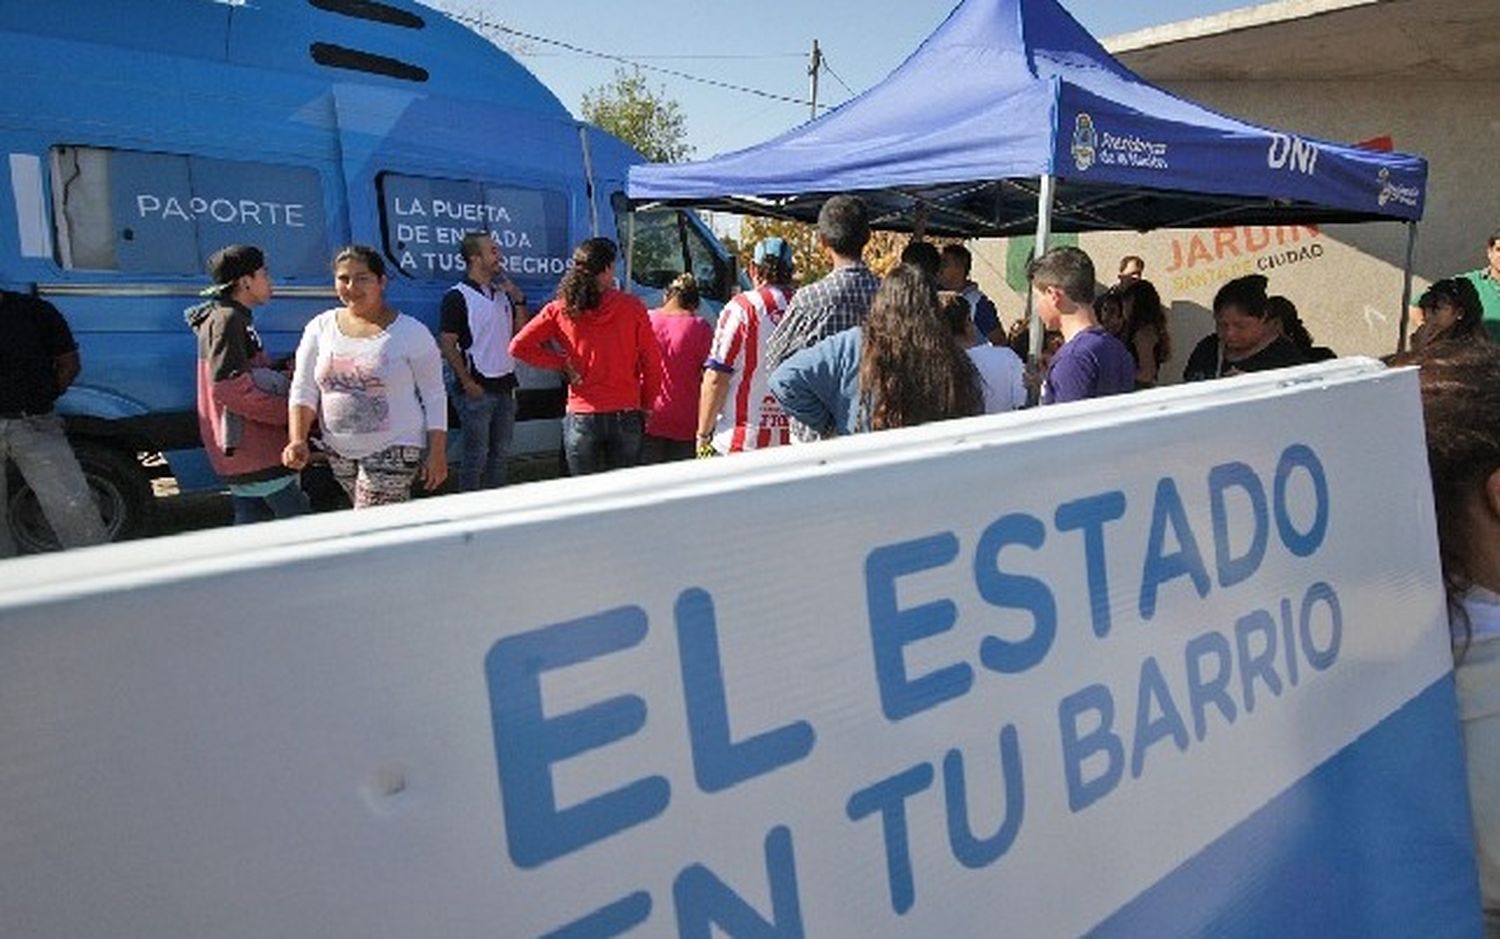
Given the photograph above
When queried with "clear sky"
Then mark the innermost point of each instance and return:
(763, 45)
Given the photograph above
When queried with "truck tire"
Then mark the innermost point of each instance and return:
(120, 487)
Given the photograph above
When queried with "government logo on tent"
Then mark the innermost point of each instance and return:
(1084, 142)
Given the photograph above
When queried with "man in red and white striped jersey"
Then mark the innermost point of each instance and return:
(736, 410)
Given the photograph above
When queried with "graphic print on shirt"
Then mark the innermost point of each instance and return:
(354, 395)
(775, 426)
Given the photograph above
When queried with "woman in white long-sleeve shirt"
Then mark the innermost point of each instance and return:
(1001, 372)
(373, 379)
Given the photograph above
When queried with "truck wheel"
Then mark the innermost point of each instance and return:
(118, 483)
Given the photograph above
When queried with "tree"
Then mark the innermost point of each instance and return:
(882, 253)
(642, 116)
(810, 261)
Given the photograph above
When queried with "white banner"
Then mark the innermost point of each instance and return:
(1018, 675)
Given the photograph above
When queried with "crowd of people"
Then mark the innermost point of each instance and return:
(369, 389)
(849, 353)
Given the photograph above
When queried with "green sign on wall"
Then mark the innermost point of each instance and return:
(1018, 255)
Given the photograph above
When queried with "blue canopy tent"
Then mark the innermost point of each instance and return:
(1011, 119)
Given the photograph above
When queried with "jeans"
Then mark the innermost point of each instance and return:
(594, 443)
(488, 423)
(287, 502)
(42, 453)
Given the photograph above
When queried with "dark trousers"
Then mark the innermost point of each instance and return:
(656, 449)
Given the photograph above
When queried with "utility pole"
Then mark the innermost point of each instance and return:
(814, 66)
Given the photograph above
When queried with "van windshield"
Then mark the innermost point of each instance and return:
(667, 243)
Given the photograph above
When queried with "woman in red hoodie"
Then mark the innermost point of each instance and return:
(601, 339)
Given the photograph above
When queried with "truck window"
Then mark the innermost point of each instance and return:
(163, 213)
(705, 263)
(657, 258)
(668, 243)
(424, 221)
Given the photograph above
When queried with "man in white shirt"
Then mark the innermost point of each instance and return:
(479, 316)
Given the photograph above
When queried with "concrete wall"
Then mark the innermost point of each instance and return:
(1451, 123)
(1346, 280)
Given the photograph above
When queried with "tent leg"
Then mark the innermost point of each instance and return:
(1043, 232)
(1411, 249)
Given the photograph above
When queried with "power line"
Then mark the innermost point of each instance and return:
(718, 56)
(828, 68)
(532, 37)
(563, 53)
(647, 56)
(715, 141)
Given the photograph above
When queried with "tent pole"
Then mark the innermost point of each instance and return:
(1043, 232)
(1411, 249)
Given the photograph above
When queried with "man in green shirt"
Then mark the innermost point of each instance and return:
(1487, 281)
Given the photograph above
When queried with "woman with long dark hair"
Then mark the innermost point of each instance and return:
(1290, 322)
(1145, 331)
(901, 369)
(1460, 383)
(600, 338)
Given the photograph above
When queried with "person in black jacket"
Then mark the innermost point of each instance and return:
(38, 361)
(1246, 337)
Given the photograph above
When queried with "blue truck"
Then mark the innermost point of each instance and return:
(139, 136)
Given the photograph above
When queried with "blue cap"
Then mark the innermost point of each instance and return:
(774, 248)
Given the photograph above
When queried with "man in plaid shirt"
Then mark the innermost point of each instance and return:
(839, 301)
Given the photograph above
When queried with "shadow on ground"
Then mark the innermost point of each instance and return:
(181, 512)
